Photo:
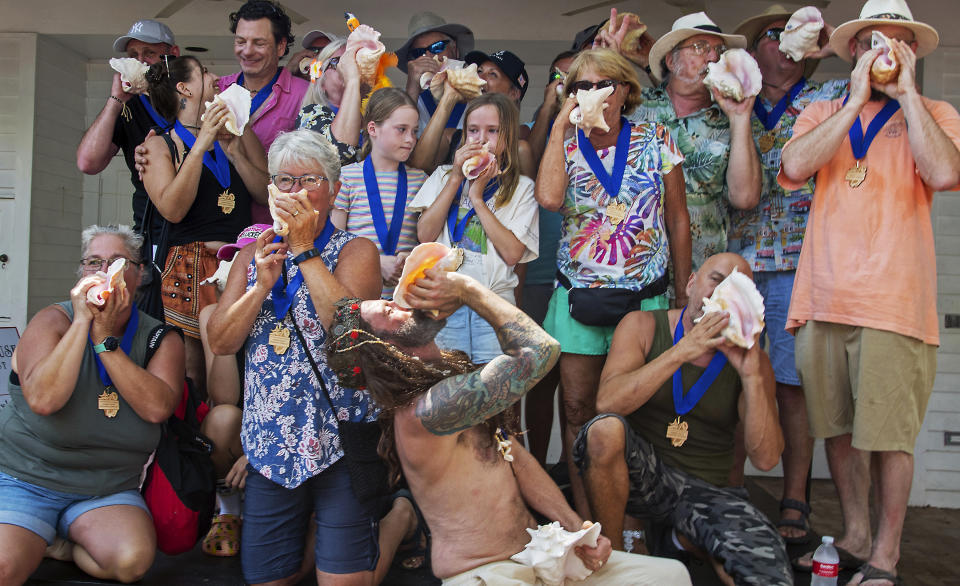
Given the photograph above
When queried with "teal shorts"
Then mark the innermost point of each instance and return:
(577, 338)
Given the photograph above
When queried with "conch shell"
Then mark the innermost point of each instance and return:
(237, 100)
(589, 111)
(738, 296)
(219, 277)
(474, 166)
(886, 68)
(133, 74)
(368, 56)
(112, 280)
(801, 34)
(635, 30)
(550, 552)
(736, 75)
(423, 257)
(464, 78)
(280, 228)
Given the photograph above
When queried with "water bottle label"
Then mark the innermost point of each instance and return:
(825, 570)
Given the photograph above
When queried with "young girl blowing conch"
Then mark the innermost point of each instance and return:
(493, 217)
(372, 201)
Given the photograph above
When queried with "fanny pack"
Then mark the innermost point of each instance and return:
(605, 306)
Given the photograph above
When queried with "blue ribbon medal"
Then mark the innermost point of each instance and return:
(772, 118)
(388, 237)
(457, 228)
(109, 401)
(283, 296)
(218, 164)
(612, 181)
(677, 431)
(261, 96)
(860, 141)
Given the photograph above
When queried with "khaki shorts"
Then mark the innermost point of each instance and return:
(874, 384)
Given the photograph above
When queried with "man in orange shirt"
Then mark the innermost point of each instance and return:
(864, 299)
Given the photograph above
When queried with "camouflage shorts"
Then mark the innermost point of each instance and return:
(720, 521)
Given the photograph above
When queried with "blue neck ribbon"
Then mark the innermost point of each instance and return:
(684, 403)
(611, 181)
(218, 163)
(772, 118)
(160, 120)
(431, 106)
(262, 94)
(456, 228)
(860, 142)
(283, 296)
(126, 343)
(388, 237)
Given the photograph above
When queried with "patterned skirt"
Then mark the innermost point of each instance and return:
(183, 296)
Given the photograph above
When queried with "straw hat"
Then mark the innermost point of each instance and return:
(685, 27)
(753, 26)
(884, 12)
(428, 22)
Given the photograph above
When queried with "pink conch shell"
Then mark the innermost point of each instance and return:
(800, 35)
(112, 281)
(885, 68)
(589, 111)
(474, 166)
(464, 78)
(423, 257)
(133, 74)
(738, 296)
(237, 99)
(550, 552)
(736, 75)
(368, 56)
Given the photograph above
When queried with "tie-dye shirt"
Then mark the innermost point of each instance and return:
(596, 251)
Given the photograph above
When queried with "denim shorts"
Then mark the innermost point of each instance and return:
(48, 512)
(276, 519)
(776, 288)
(467, 331)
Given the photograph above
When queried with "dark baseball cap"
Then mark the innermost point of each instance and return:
(510, 64)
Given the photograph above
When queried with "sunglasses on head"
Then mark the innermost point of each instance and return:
(435, 48)
(589, 85)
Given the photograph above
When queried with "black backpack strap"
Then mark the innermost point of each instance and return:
(156, 336)
(174, 155)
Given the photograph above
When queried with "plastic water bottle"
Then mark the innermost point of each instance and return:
(826, 564)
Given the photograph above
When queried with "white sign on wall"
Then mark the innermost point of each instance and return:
(9, 337)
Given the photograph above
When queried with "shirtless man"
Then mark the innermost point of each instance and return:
(442, 431)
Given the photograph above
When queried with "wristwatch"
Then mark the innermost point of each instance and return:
(306, 255)
(109, 344)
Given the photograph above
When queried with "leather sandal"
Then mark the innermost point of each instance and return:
(802, 523)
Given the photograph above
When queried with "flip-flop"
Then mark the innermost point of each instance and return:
(848, 561)
(801, 523)
(869, 572)
(415, 550)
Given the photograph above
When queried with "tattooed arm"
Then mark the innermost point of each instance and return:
(462, 401)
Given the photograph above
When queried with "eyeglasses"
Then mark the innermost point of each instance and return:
(95, 263)
(332, 63)
(771, 33)
(703, 47)
(435, 48)
(308, 182)
(589, 85)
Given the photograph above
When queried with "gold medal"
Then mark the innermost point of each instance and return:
(109, 402)
(856, 175)
(279, 339)
(616, 212)
(227, 201)
(677, 432)
(766, 142)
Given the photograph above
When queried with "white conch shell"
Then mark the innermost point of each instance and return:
(801, 34)
(738, 296)
(237, 100)
(550, 552)
(464, 78)
(112, 281)
(219, 277)
(133, 74)
(589, 111)
(425, 256)
(885, 68)
(736, 75)
(474, 166)
(280, 228)
(368, 56)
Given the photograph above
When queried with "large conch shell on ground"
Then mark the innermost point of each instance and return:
(237, 100)
(463, 78)
(886, 68)
(474, 166)
(133, 74)
(738, 296)
(423, 257)
(369, 53)
(801, 34)
(112, 281)
(736, 75)
(588, 114)
(550, 552)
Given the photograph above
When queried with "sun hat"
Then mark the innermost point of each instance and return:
(685, 27)
(753, 26)
(428, 22)
(884, 12)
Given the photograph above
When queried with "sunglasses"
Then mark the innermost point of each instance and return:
(332, 63)
(589, 85)
(435, 48)
(771, 33)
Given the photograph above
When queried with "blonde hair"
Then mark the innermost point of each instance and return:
(509, 159)
(609, 64)
(315, 94)
(381, 106)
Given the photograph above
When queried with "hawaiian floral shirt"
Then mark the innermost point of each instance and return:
(704, 139)
(770, 235)
(628, 252)
(289, 431)
(319, 118)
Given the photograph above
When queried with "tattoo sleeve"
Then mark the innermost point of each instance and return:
(462, 401)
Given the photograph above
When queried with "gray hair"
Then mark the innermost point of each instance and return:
(132, 241)
(315, 93)
(304, 148)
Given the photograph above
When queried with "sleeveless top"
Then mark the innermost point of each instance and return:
(708, 451)
(289, 431)
(79, 449)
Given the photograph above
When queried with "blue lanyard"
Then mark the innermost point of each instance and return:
(431, 107)
(684, 403)
(860, 142)
(218, 163)
(611, 181)
(772, 118)
(261, 96)
(456, 228)
(160, 120)
(126, 343)
(388, 238)
(283, 296)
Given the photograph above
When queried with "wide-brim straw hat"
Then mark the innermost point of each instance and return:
(751, 28)
(685, 27)
(428, 22)
(884, 12)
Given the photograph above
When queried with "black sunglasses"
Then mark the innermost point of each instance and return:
(435, 48)
(772, 33)
(589, 85)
